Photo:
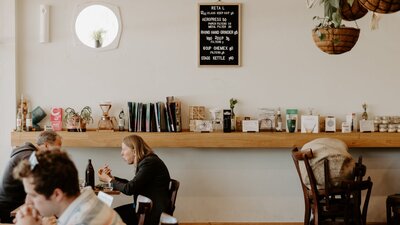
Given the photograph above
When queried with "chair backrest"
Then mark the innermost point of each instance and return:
(323, 202)
(173, 191)
(106, 198)
(143, 208)
(166, 219)
(309, 195)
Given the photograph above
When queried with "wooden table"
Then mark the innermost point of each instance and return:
(113, 192)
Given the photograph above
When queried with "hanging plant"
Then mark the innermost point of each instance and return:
(381, 6)
(330, 35)
(352, 10)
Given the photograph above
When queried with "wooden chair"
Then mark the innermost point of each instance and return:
(393, 209)
(173, 191)
(143, 208)
(166, 219)
(331, 205)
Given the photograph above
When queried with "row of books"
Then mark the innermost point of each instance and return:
(155, 117)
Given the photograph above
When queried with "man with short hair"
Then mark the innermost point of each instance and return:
(12, 193)
(50, 180)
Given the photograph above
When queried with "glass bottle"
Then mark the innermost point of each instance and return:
(19, 120)
(23, 106)
(89, 176)
(278, 121)
(28, 121)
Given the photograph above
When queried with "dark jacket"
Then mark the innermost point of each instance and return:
(12, 192)
(151, 180)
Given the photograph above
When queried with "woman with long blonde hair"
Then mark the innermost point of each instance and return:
(151, 180)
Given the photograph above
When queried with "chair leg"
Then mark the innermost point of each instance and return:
(307, 215)
(388, 212)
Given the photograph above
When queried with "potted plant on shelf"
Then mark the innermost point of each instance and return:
(330, 35)
(76, 122)
(97, 36)
(232, 103)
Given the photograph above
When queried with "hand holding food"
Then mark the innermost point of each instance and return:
(104, 174)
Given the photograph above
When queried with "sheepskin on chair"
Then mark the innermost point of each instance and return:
(341, 163)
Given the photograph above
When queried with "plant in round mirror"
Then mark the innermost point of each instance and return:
(97, 25)
(98, 37)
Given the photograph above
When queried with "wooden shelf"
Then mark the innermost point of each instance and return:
(94, 139)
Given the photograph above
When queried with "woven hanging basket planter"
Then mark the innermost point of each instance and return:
(381, 6)
(335, 40)
(353, 12)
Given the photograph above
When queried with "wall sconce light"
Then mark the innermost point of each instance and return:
(44, 32)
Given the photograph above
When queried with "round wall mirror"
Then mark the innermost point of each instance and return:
(97, 25)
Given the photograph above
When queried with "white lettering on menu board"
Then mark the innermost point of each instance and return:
(219, 34)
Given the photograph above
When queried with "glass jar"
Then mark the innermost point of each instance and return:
(377, 120)
(385, 119)
(395, 119)
(392, 128)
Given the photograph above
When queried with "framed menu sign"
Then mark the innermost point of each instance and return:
(219, 34)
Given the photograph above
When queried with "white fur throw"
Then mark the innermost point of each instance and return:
(341, 163)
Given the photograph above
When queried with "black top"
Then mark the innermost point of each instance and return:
(151, 180)
(12, 193)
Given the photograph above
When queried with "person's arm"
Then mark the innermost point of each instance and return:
(145, 173)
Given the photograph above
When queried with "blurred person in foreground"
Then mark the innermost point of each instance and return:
(50, 180)
(12, 193)
(151, 180)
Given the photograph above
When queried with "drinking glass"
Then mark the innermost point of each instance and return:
(108, 187)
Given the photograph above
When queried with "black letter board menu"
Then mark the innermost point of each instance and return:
(219, 34)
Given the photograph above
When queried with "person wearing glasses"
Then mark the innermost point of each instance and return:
(50, 180)
(151, 180)
(12, 193)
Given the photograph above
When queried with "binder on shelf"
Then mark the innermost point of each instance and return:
(178, 116)
(143, 119)
(172, 114)
(168, 117)
(157, 117)
(130, 117)
(139, 117)
(147, 120)
(163, 117)
(153, 127)
(135, 116)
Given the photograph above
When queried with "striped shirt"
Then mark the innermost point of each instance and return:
(87, 209)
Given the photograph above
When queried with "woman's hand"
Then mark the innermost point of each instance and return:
(104, 174)
(27, 215)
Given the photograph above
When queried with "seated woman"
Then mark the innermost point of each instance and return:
(151, 180)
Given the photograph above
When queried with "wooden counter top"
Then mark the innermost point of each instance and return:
(94, 139)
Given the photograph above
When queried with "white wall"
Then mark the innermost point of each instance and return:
(7, 77)
(157, 57)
